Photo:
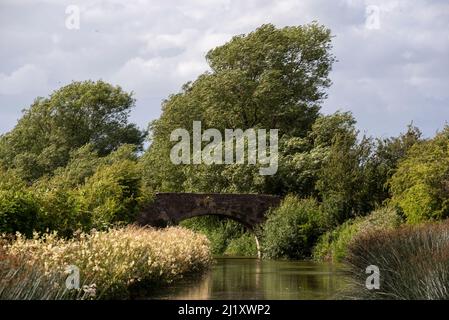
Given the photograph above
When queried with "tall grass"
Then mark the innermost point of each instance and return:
(413, 262)
(22, 280)
(110, 262)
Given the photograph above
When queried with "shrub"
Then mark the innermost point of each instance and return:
(112, 194)
(245, 245)
(89, 192)
(291, 229)
(333, 244)
(18, 210)
(420, 186)
(59, 211)
(413, 262)
(220, 232)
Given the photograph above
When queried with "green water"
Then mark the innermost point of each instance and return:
(244, 278)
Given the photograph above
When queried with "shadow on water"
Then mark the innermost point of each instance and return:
(247, 278)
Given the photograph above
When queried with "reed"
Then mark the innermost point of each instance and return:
(110, 262)
(413, 262)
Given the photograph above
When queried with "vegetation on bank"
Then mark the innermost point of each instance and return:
(75, 163)
(90, 192)
(227, 237)
(110, 262)
(413, 262)
(291, 229)
(333, 245)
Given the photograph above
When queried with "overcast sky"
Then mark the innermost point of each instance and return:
(393, 56)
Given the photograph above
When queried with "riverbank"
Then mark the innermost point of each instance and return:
(110, 262)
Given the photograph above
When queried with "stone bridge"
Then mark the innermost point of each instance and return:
(172, 208)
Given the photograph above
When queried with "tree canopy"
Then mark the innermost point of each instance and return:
(71, 117)
(272, 78)
(420, 186)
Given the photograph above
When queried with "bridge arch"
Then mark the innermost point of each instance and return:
(170, 208)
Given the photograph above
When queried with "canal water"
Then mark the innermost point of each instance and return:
(247, 278)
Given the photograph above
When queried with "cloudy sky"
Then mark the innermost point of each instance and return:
(393, 56)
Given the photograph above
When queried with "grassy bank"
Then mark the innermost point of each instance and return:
(333, 244)
(413, 262)
(110, 262)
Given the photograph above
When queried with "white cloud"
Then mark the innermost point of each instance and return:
(26, 79)
(386, 76)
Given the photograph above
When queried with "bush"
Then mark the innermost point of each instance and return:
(291, 229)
(112, 194)
(220, 232)
(333, 245)
(413, 262)
(245, 245)
(18, 210)
(59, 211)
(90, 192)
(420, 186)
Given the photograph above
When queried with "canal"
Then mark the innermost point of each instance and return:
(248, 278)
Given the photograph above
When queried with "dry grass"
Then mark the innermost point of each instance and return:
(109, 262)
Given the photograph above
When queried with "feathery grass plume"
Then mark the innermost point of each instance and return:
(110, 262)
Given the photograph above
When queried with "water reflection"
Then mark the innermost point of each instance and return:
(243, 278)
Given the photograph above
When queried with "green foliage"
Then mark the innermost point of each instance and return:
(343, 182)
(226, 237)
(112, 194)
(352, 180)
(389, 153)
(82, 164)
(333, 245)
(220, 232)
(232, 178)
(269, 78)
(73, 116)
(90, 192)
(420, 186)
(327, 128)
(59, 211)
(18, 211)
(291, 229)
(245, 245)
(301, 159)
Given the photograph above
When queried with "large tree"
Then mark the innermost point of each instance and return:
(272, 78)
(71, 117)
